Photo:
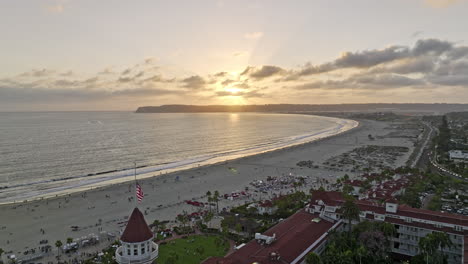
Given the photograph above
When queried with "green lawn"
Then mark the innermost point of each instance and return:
(192, 250)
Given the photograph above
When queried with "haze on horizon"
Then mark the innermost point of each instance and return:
(118, 55)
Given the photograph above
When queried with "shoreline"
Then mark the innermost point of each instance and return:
(123, 176)
(106, 209)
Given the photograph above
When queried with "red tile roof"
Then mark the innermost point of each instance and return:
(424, 225)
(136, 230)
(266, 203)
(293, 236)
(455, 219)
(336, 199)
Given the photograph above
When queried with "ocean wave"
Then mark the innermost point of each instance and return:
(51, 187)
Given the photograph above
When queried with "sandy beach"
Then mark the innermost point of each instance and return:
(105, 209)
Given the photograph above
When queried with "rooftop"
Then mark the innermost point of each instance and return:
(136, 230)
(294, 235)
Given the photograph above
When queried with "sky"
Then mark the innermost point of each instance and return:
(76, 55)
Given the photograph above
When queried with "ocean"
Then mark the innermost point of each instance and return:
(43, 154)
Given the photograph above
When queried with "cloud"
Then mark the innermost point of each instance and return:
(423, 64)
(67, 74)
(435, 64)
(263, 72)
(245, 94)
(364, 81)
(151, 60)
(240, 53)
(38, 73)
(220, 74)
(107, 71)
(436, 46)
(227, 82)
(253, 35)
(370, 58)
(157, 78)
(126, 71)
(194, 82)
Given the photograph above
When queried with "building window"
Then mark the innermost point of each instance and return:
(128, 252)
(135, 252)
(143, 250)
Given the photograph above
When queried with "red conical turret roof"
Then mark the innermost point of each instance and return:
(136, 230)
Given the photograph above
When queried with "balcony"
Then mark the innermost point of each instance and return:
(146, 260)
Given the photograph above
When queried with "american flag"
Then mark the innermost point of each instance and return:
(139, 192)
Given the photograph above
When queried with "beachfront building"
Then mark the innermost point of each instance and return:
(137, 242)
(411, 224)
(458, 156)
(307, 231)
(288, 242)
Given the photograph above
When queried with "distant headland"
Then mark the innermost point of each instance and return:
(288, 108)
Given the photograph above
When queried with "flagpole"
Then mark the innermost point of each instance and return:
(134, 173)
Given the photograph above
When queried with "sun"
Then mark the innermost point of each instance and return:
(232, 90)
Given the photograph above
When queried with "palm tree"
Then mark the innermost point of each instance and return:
(313, 258)
(207, 218)
(1, 253)
(361, 251)
(350, 211)
(58, 244)
(216, 199)
(208, 195)
(433, 243)
(183, 218)
(69, 240)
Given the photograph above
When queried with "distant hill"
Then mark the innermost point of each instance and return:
(291, 108)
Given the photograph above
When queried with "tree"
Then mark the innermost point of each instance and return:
(216, 199)
(58, 244)
(238, 228)
(313, 258)
(347, 189)
(432, 244)
(208, 198)
(1, 253)
(350, 211)
(183, 218)
(207, 218)
(361, 251)
(69, 240)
